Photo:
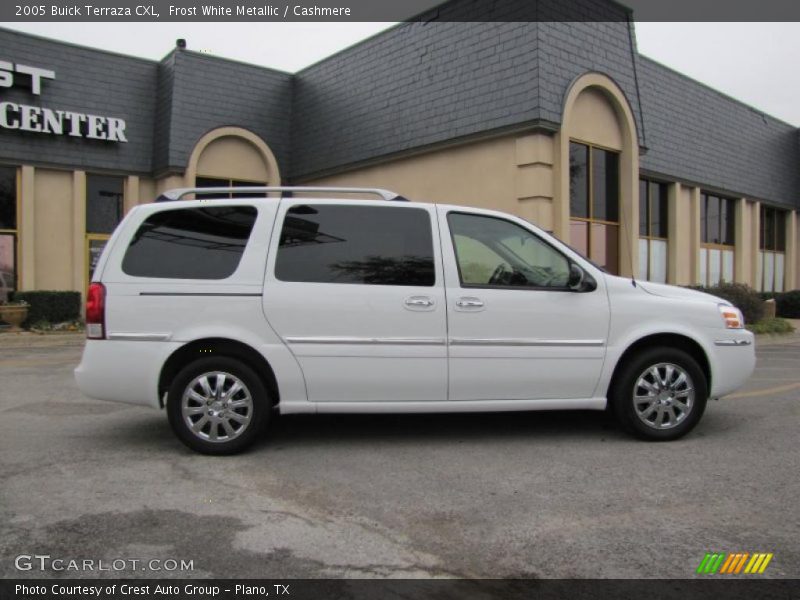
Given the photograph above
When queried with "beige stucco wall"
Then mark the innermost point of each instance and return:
(232, 158)
(480, 174)
(595, 120)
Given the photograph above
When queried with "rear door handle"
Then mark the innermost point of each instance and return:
(419, 302)
(469, 303)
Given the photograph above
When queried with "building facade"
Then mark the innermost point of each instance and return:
(645, 171)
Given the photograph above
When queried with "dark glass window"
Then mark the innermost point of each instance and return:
(653, 207)
(104, 203)
(375, 245)
(773, 229)
(605, 185)
(8, 198)
(8, 234)
(578, 180)
(644, 208)
(717, 220)
(190, 243)
(218, 182)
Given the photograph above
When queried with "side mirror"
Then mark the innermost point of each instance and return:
(579, 280)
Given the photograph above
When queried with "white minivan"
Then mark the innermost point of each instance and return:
(226, 308)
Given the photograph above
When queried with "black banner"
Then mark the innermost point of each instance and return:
(396, 10)
(417, 589)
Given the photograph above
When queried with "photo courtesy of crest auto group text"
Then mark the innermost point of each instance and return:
(438, 299)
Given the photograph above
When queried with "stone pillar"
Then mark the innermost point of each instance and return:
(790, 274)
(679, 251)
(561, 190)
(131, 195)
(26, 225)
(533, 179)
(79, 231)
(694, 234)
(743, 243)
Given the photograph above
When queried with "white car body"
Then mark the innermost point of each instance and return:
(338, 348)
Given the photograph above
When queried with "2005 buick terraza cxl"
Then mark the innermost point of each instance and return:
(225, 309)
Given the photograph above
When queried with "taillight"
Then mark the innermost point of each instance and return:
(96, 312)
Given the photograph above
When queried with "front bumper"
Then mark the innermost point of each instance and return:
(733, 362)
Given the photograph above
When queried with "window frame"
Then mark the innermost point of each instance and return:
(591, 220)
(92, 236)
(228, 182)
(478, 286)
(649, 235)
(721, 247)
(763, 250)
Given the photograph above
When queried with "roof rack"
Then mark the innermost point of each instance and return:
(178, 193)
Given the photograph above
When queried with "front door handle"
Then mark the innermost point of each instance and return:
(419, 302)
(469, 303)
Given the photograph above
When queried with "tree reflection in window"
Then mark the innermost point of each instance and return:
(371, 245)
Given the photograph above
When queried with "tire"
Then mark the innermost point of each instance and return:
(659, 394)
(212, 423)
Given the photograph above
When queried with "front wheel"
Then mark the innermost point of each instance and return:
(659, 394)
(217, 405)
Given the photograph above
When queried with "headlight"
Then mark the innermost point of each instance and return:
(732, 316)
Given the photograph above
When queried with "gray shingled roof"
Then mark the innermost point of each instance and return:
(698, 134)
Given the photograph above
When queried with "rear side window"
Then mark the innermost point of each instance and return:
(373, 245)
(190, 243)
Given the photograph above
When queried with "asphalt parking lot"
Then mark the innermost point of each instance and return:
(503, 495)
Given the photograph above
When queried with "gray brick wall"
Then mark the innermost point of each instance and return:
(87, 81)
(209, 92)
(700, 135)
(417, 84)
(567, 50)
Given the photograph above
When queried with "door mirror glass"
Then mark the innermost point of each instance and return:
(580, 280)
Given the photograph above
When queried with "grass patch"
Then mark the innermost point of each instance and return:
(776, 325)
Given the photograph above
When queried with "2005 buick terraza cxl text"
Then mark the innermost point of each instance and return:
(315, 300)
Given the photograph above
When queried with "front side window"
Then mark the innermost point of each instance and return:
(653, 231)
(493, 252)
(772, 249)
(368, 245)
(8, 231)
(717, 222)
(190, 243)
(594, 204)
(104, 211)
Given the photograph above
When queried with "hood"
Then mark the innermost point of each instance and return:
(674, 291)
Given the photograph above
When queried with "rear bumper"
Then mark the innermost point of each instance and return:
(123, 371)
(734, 360)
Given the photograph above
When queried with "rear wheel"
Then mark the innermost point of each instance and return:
(217, 405)
(660, 394)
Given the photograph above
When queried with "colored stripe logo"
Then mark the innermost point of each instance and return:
(735, 563)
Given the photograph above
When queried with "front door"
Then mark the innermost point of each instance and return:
(516, 331)
(355, 289)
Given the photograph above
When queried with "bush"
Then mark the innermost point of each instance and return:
(54, 307)
(742, 296)
(771, 326)
(788, 304)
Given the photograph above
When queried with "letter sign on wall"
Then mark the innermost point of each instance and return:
(38, 119)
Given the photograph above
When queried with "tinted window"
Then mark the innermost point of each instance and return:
(190, 243)
(103, 203)
(373, 245)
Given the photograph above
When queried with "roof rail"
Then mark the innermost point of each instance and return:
(178, 193)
